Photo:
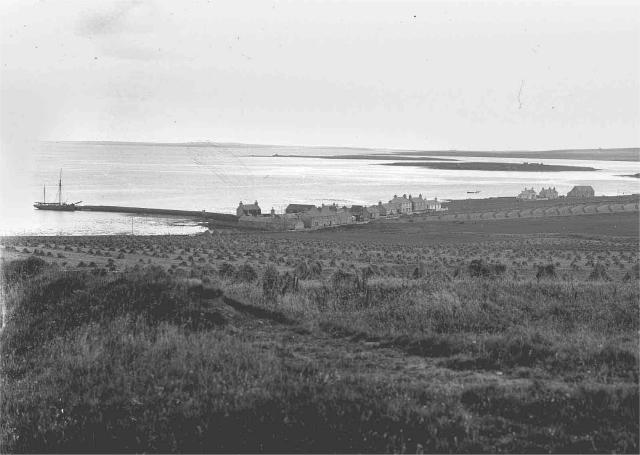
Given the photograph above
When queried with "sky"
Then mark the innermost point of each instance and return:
(429, 75)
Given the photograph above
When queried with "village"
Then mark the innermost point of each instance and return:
(577, 192)
(307, 216)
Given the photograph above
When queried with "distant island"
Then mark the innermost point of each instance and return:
(481, 166)
(612, 154)
(601, 154)
(374, 156)
(637, 176)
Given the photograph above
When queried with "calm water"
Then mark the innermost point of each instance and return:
(216, 178)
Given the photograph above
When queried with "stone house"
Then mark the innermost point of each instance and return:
(400, 205)
(374, 212)
(344, 214)
(581, 192)
(360, 213)
(418, 204)
(548, 193)
(382, 209)
(528, 194)
(248, 209)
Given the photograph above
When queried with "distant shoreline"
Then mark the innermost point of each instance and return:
(597, 154)
(375, 156)
(481, 166)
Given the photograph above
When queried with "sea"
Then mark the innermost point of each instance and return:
(217, 177)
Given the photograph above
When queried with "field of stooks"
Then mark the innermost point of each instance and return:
(257, 342)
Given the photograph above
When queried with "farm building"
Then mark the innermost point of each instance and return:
(528, 194)
(548, 193)
(433, 205)
(389, 209)
(327, 215)
(248, 209)
(361, 213)
(581, 192)
(298, 208)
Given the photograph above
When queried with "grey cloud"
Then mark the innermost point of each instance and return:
(115, 19)
(112, 28)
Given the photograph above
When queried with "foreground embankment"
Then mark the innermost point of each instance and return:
(274, 342)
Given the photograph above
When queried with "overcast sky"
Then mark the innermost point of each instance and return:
(428, 75)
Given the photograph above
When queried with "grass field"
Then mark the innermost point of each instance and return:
(497, 336)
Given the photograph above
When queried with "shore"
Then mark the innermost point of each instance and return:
(615, 154)
(482, 166)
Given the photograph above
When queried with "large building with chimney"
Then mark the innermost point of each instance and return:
(548, 193)
(399, 205)
(248, 209)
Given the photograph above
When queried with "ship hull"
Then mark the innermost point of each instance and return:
(56, 207)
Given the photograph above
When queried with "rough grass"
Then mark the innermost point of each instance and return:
(576, 329)
(143, 361)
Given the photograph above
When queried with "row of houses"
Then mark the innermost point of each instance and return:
(577, 192)
(529, 194)
(306, 216)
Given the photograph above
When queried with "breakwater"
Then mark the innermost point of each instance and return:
(222, 218)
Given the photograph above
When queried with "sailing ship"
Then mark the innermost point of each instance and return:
(473, 192)
(61, 206)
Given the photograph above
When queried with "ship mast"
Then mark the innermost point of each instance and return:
(60, 189)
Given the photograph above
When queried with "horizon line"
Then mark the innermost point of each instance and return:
(208, 143)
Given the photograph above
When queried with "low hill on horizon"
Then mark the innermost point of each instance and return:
(600, 154)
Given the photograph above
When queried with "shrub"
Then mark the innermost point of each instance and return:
(341, 278)
(599, 273)
(585, 420)
(22, 268)
(545, 271)
(270, 283)
(226, 270)
(479, 268)
(54, 305)
(246, 273)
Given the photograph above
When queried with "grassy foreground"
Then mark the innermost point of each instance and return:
(318, 355)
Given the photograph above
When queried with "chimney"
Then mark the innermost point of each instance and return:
(256, 202)
(273, 212)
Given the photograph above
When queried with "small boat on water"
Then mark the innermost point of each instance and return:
(60, 206)
(473, 192)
